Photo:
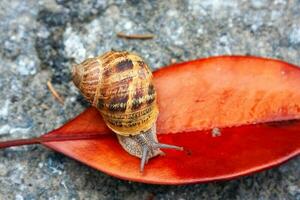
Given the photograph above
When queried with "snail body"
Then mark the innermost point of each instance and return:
(119, 85)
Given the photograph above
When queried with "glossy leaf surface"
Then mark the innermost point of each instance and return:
(194, 97)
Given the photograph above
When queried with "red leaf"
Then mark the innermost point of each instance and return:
(226, 91)
(198, 95)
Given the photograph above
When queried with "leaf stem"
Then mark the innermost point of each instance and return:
(39, 140)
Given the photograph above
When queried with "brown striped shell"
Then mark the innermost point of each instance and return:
(119, 85)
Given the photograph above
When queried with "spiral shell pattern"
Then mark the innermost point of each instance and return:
(119, 85)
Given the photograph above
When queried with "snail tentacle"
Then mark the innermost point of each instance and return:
(144, 158)
(167, 146)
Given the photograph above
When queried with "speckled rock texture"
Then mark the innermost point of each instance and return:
(39, 41)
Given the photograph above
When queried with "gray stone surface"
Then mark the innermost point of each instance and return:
(41, 39)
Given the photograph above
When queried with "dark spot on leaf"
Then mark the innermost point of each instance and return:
(188, 152)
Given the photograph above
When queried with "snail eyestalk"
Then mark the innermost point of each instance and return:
(167, 146)
(144, 158)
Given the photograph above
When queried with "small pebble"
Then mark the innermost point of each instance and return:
(216, 132)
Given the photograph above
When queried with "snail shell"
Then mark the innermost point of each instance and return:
(119, 85)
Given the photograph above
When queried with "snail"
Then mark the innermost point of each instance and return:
(119, 84)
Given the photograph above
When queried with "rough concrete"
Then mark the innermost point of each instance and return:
(40, 39)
